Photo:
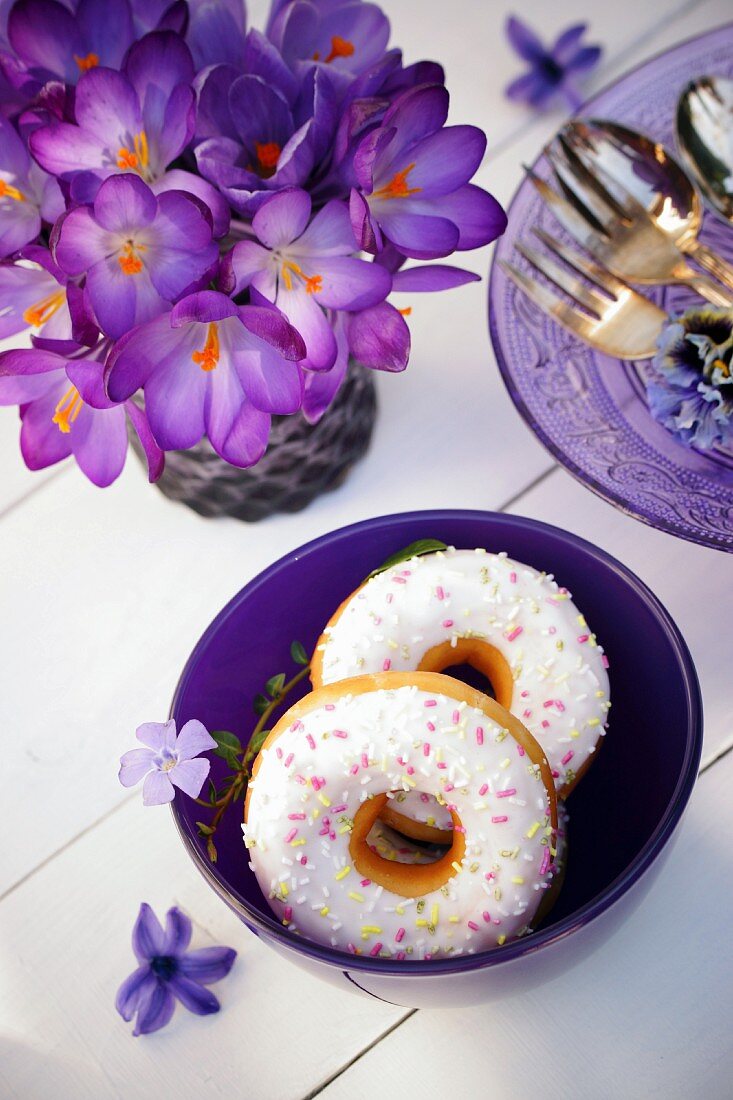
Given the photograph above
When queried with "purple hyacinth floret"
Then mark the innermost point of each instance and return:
(552, 70)
(169, 760)
(168, 971)
(691, 388)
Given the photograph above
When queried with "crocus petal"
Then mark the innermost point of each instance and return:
(157, 789)
(157, 735)
(269, 324)
(240, 266)
(174, 397)
(147, 935)
(246, 441)
(155, 66)
(122, 301)
(414, 115)
(45, 36)
(155, 1009)
(107, 107)
(422, 236)
(134, 766)
(193, 739)
(193, 996)
(106, 26)
(365, 228)
(99, 444)
(190, 776)
(207, 964)
(80, 241)
(379, 338)
(20, 289)
(41, 442)
(446, 160)
(416, 280)
(135, 988)
(153, 453)
(23, 225)
(124, 203)
(259, 112)
(178, 180)
(306, 315)
(347, 282)
(523, 40)
(65, 149)
(140, 352)
(322, 386)
(178, 929)
(478, 216)
(205, 306)
(14, 157)
(329, 233)
(282, 218)
(216, 34)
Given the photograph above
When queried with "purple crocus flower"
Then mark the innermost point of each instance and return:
(551, 70)
(168, 971)
(34, 296)
(56, 43)
(139, 251)
(64, 411)
(347, 36)
(28, 196)
(212, 367)
(411, 175)
(264, 141)
(167, 761)
(306, 268)
(138, 120)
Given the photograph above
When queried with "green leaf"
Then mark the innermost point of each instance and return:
(227, 744)
(204, 829)
(414, 550)
(260, 704)
(212, 792)
(298, 653)
(275, 684)
(211, 849)
(257, 742)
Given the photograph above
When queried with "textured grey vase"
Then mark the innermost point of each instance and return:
(301, 460)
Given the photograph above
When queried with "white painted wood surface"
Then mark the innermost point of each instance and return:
(103, 595)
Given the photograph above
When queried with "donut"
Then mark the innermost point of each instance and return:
(513, 624)
(325, 772)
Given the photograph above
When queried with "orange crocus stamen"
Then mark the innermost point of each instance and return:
(86, 63)
(67, 410)
(129, 260)
(313, 283)
(340, 47)
(268, 154)
(7, 191)
(43, 310)
(406, 311)
(209, 357)
(135, 159)
(397, 187)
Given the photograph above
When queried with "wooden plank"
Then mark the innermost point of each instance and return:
(647, 1016)
(694, 583)
(65, 947)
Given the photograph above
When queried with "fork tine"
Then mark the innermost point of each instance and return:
(550, 304)
(589, 172)
(572, 178)
(563, 278)
(577, 225)
(599, 275)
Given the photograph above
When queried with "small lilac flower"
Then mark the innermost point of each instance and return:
(346, 36)
(28, 196)
(56, 43)
(307, 268)
(137, 120)
(168, 971)
(263, 141)
(64, 411)
(139, 251)
(551, 71)
(168, 760)
(691, 388)
(210, 366)
(411, 175)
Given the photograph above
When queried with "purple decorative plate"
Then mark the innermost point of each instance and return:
(590, 410)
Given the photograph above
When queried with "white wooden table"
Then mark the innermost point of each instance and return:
(103, 595)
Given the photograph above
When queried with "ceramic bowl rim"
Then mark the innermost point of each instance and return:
(537, 940)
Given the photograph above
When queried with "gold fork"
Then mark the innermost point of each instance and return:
(614, 227)
(620, 322)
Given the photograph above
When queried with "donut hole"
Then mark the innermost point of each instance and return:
(473, 662)
(397, 846)
(410, 880)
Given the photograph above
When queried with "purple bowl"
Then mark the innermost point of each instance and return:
(621, 818)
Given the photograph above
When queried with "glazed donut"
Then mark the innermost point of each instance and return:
(324, 774)
(513, 624)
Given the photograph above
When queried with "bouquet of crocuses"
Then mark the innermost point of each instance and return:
(201, 224)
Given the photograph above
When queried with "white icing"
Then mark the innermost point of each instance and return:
(467, 760)
(561, 689)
